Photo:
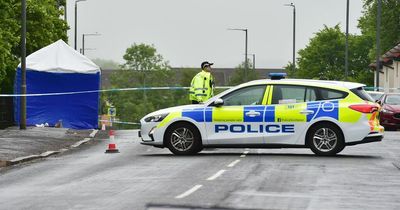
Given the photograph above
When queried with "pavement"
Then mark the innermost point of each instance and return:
(142, 177)
(18, 146)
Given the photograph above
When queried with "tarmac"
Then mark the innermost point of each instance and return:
(17, 146)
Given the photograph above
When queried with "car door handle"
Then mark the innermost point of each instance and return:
(253, 113)
(307, 112)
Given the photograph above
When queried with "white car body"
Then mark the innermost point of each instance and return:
(266, 125)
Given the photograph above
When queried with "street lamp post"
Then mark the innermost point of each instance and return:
(83, 41)
(76, 22)
(294, 35)
(245, 49)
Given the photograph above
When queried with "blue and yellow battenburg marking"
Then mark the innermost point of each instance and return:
(268, 113)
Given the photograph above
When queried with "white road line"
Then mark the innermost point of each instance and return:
(234, 163)
(219, 173)
(192, 190)
(244, 154)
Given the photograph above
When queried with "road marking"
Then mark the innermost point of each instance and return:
(192, 190)
(281, 195)
(234, 163)
(93, 133)
(219, 173)
(244, 154)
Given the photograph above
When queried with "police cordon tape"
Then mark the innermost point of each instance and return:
(139, 88)
(119, 122)
(104, 90)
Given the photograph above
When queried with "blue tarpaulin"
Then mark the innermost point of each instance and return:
(58, 68)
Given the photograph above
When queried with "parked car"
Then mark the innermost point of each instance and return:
(390, 112)
(324, 116)
(375, 94)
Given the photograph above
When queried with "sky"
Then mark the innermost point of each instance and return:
(187, 32)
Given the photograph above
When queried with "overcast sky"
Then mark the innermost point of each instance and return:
(187, 32)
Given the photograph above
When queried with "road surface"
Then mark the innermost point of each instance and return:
(361, 177)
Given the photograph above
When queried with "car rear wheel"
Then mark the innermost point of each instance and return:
(183, 139)
(325, 139)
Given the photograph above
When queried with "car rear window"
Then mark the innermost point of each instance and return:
(360, 92)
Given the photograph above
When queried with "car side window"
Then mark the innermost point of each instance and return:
(327, 94)
(252, 95)
(311, 94)
(287, 94)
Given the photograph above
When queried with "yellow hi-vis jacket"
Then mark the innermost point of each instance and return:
(202, 87)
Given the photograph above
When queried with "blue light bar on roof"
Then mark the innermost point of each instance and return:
(276, 76)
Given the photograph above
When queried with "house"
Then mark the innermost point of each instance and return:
(389, 75)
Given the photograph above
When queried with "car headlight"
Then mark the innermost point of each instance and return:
(387, 111)
(156, 118)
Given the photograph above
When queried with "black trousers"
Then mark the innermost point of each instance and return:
(195, 102)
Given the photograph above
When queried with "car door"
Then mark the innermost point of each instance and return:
(238, 120)
(286, 115)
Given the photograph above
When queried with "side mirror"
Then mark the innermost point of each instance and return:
(379, 102)
(219, 102)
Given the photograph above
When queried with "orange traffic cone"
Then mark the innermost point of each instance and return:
(112, 148)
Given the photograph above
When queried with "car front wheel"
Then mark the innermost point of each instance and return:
(183, 139)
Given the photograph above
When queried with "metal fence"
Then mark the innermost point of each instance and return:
(6, 112)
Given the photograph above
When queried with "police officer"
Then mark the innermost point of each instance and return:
(202, 85)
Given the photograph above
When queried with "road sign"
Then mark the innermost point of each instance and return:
(112, 111)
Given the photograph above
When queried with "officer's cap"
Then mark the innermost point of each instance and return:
(205, 64)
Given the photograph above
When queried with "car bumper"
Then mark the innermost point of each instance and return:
(372, 137)
(150, 134)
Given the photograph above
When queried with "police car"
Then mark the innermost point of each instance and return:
(324, 116)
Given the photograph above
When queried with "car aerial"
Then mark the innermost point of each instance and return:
(324, 116)
(375, 94)
(390, 112)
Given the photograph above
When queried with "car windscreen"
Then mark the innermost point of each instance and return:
(360, 92)
(376, 96)
(392, 99)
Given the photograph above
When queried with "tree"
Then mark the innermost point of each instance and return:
(8, 40)
(323, 57)
(44, 27)
(144, 67)
(390, 27)
(238, 76)
(106, 64)
(142, 57)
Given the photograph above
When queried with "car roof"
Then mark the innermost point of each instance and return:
(308, 82)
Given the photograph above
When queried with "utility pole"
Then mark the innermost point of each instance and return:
(254, 60)
(294, 35)
(22, 123)
(378, 32)
(346, 59)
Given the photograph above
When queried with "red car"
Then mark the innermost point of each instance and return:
(390, 112)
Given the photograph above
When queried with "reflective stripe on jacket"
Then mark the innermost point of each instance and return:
(202, 87)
